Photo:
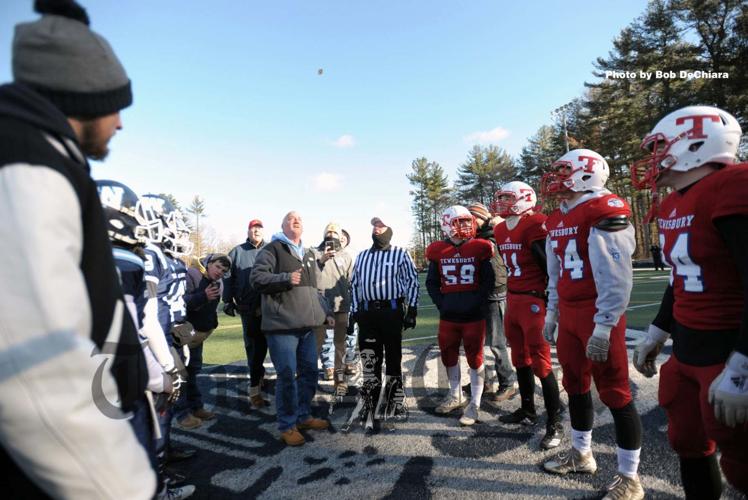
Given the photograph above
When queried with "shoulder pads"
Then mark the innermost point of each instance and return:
(614, 223)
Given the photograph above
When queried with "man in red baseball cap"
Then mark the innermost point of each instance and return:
(239, 295)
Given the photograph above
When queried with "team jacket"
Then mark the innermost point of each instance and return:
(515, 246)
(460, 278)
(60, 306)
(580, 249)
(287, 308)
(707, 287)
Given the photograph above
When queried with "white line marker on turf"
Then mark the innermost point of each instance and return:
(639, 306)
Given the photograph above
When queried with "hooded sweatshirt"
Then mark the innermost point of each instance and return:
(68, 346)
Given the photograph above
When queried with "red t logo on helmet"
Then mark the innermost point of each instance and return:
(590, 163)
(697, 132)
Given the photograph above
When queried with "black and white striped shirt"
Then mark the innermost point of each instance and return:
(384, 275)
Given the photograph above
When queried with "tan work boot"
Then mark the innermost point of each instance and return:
(329, 373)
(315, 424)
(625, 488)
(204, 414)
(573, 461)
(292, 437)
(255, 397)
(190, 422)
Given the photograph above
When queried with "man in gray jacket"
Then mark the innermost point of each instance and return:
(285, 274)
(334, 281)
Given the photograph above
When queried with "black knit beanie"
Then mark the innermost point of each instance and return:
(62, 59)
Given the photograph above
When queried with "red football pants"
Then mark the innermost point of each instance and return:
(575, 325)
(692, 429)
(523, 325)
(472, 335)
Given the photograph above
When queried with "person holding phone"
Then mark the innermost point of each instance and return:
(334, 269)
(203, 292)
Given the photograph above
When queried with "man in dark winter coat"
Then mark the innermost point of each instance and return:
(63, 314)
(238, 294)
(285, 274)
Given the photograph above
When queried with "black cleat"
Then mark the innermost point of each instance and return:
(519, 416)
(178, 454)
(554, 433)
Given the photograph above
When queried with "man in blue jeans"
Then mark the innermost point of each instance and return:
(285, 274)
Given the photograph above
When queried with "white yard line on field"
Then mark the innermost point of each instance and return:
(420, 338)
(639, 306)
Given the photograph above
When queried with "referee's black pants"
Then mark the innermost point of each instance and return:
(378, 330)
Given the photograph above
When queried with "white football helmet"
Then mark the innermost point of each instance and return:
(455, 221)
(129, 221)
(686, 139)
(176, 234)
(514, 198)
(578, 170)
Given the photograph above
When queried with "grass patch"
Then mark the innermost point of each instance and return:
(226, 345)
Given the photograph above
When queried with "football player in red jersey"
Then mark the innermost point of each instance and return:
(703, 226)
(589, 283)
(459, 280)
(521, 242)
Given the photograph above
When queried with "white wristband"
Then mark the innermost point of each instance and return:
(657, 334)
(602, 331)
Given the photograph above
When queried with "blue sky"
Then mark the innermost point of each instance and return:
(229, 103)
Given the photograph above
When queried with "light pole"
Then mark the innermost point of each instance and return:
(561, 111)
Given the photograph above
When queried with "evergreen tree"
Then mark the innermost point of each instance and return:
(483, 173)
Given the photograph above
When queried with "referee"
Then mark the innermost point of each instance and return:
(384, 296)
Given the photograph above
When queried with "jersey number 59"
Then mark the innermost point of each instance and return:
(465, 275)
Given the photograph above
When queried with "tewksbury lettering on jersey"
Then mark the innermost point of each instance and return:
(510, 246)
(676, 223)
(564, 231)
(458, 260)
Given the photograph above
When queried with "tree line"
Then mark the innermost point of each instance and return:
(614, 113)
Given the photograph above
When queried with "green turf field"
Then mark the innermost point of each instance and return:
(226, 344)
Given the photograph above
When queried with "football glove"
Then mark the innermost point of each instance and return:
(549, 329)
(229, 309)
(182, 332)
(177, 382)
(599, 344)
(728, 393)
(647, 350)
(409, 321)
